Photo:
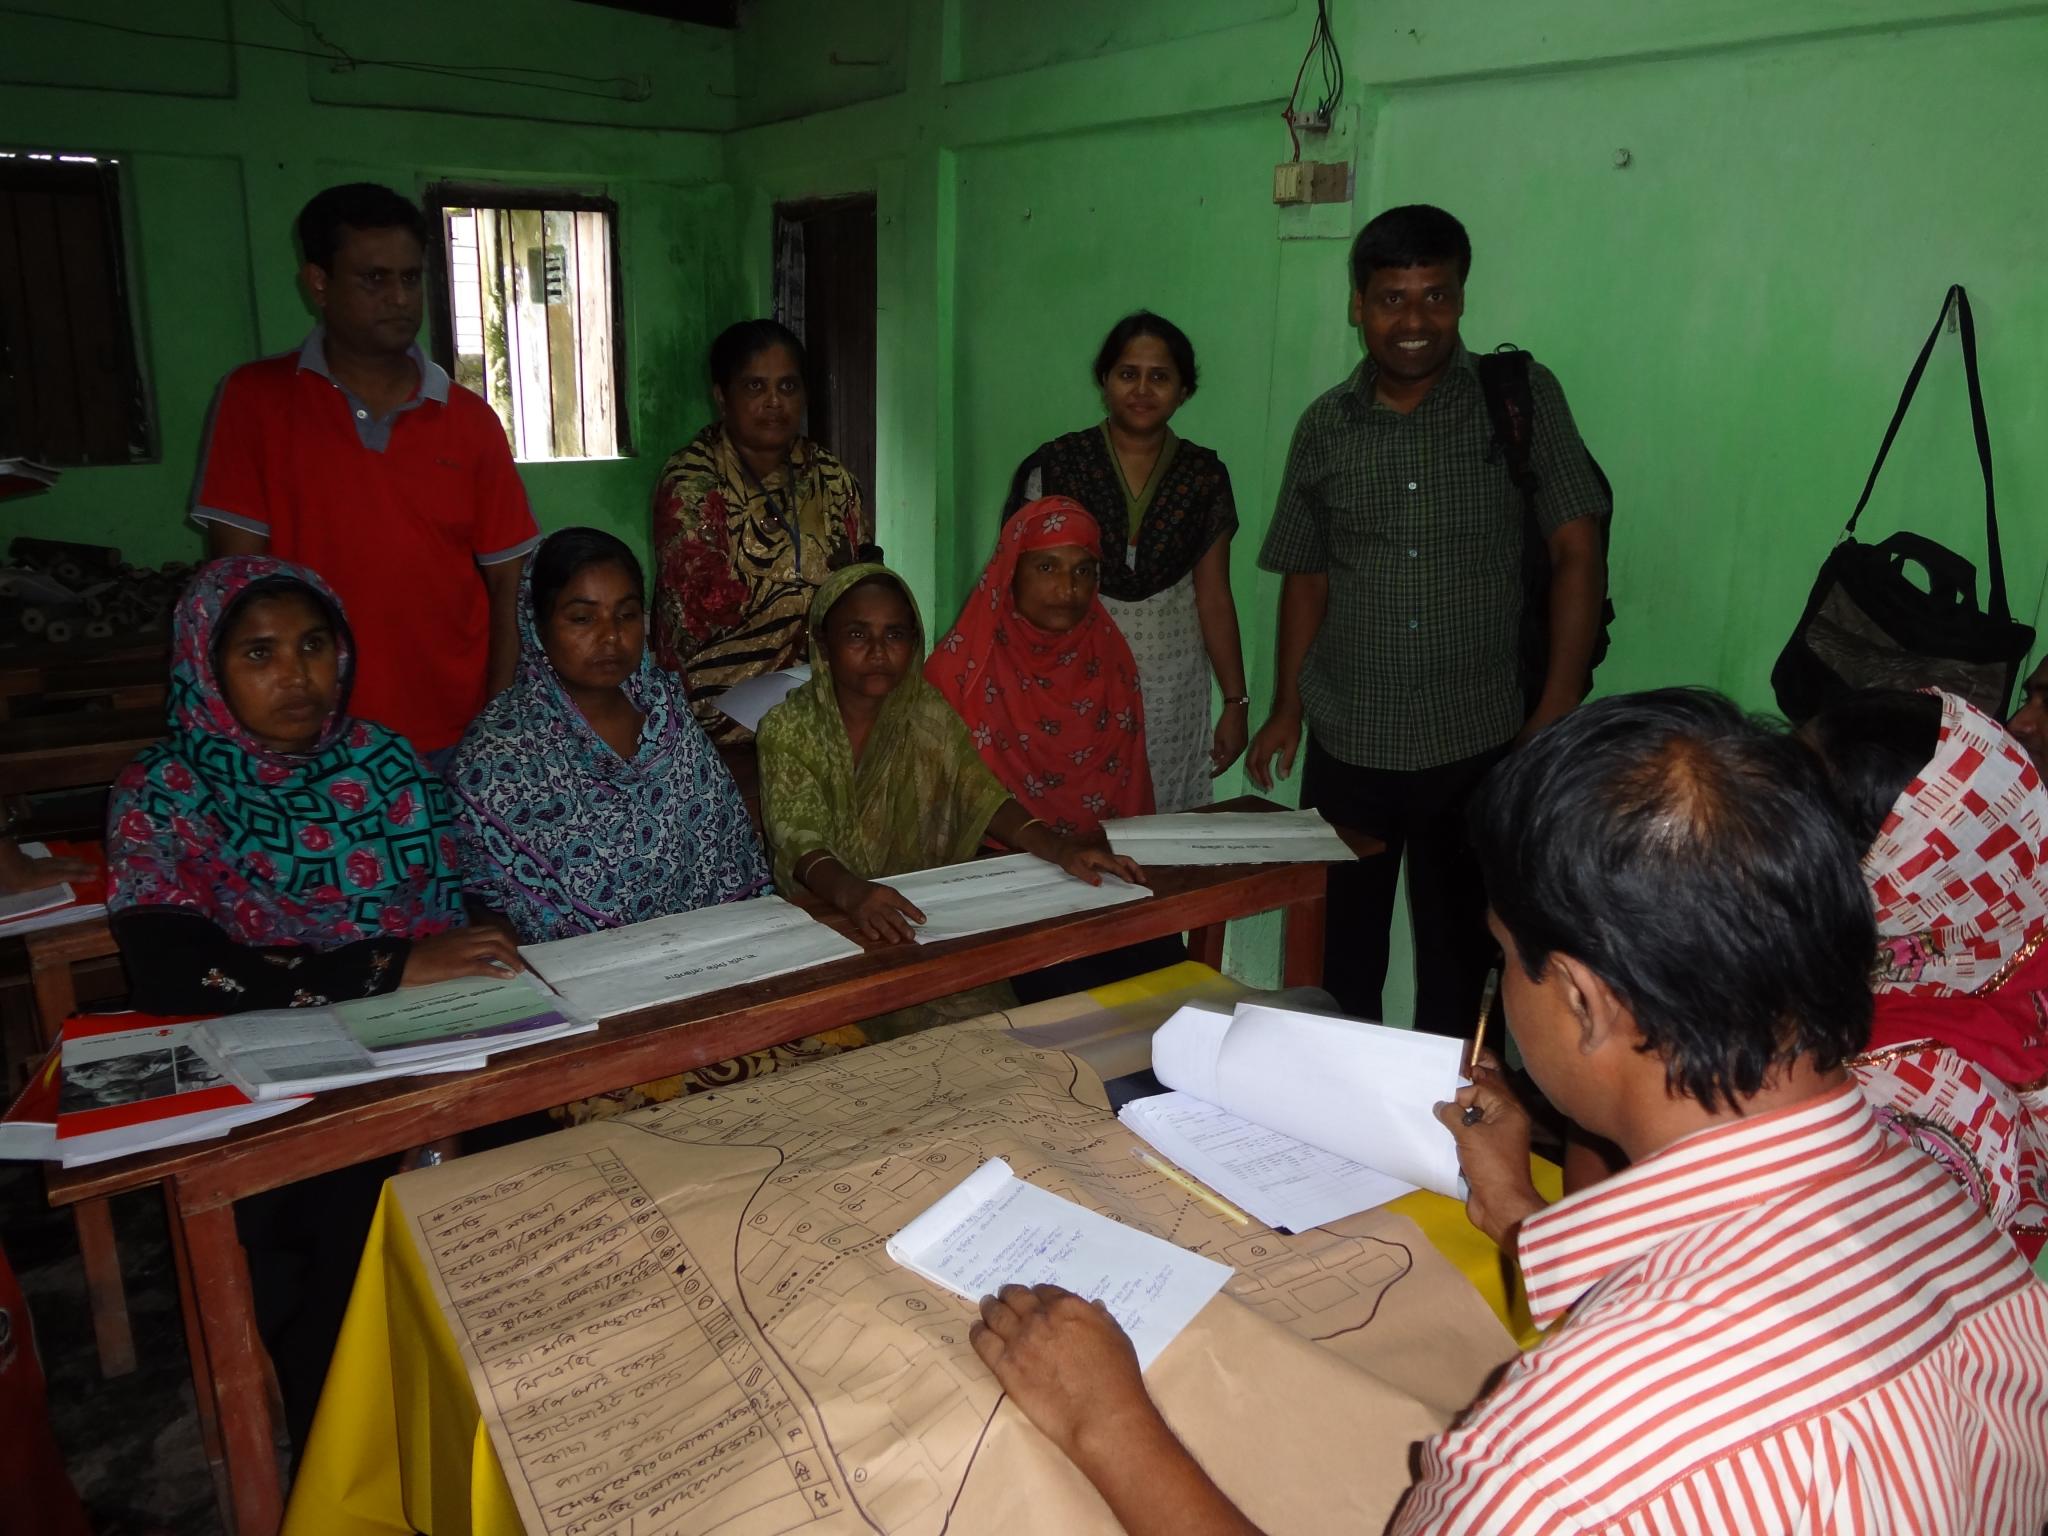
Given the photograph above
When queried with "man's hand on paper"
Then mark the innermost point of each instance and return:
(1069, 1367)
(461, 952)
(1493, 1153)
(1066, 1363)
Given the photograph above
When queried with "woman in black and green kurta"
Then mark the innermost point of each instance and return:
(1166, 514)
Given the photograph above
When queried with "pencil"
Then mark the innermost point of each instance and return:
(1208, 1197)
(1479, 1029)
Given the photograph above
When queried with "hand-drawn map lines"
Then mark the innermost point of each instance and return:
(813, 1241)
(738, 1429)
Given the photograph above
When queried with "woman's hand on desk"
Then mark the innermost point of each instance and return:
(1493, 1153)
(487, 951)
(1091, 861)
(19, 872)
(880, 912)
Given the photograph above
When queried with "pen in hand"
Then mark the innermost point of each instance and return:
(1473, 1114)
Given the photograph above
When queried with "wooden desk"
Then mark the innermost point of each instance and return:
(51, 954)
(202, 1181)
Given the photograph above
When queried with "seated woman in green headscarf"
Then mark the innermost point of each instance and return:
(866, 772)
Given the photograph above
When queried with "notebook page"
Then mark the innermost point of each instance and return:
(994, 1229)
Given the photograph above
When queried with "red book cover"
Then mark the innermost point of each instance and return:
(124, 1069)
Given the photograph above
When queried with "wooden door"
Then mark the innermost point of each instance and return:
(825, 292)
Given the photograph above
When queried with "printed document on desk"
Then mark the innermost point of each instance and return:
(276, 1053)
(983, 895)
(1366, 1092)
(1227, 837)
(746, 702)
(994, 1229)
(620, 970)
(469, 1014)
(1286, 1183)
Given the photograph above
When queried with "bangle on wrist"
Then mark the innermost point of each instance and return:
(1234, 701)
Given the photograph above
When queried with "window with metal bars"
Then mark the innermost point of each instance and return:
(526, 312)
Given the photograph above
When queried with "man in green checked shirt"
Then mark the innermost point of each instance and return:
(1399, 533)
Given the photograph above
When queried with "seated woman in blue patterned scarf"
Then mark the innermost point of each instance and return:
(273, 851)
(588, 795)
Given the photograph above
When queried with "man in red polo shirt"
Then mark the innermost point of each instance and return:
(358, 456)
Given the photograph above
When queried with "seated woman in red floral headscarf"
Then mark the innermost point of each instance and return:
(1039, 671)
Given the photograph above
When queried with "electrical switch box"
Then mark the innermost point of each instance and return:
(1291, 182)
(1311, 181)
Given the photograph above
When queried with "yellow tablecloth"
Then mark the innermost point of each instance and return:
(398, 1445)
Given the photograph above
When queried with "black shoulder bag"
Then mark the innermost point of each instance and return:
(1868, 624)
(1511, 407)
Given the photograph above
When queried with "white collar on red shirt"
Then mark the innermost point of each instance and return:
(1570, 1247)
(433, 377)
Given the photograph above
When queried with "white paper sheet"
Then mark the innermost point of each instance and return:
(1363, 1091)
(1227, 837)
(747, 701)
(1285, 1182)
(986, 894)
(620, 970)
(994, 1229)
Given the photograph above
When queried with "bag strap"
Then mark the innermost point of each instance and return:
(1961, 301)
(1511, 407)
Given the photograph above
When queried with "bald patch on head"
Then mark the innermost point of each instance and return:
(1682, 789)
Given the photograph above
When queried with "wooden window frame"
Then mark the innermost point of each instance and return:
(105, 175)
(440, 196)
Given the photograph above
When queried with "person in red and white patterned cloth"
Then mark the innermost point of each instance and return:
(1781, 1316)
(1955, 820)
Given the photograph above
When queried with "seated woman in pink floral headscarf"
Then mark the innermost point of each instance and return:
(272, 851)
(1956, 820)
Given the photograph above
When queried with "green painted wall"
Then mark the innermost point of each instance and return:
(1731, 313)
(222, 143)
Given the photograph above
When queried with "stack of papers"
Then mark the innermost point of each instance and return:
(52, 906)
(994, 1229)
(1283, 1181)
(1302, 1118)
(1227, 837)
(986, 894)
(124, 1083)
(450, 1027)
(621, 970)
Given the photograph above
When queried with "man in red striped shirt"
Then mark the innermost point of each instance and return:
(1779, 1318)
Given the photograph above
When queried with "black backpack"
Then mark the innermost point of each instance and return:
(1510, 403)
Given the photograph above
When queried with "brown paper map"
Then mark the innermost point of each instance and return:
(683, 1320)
